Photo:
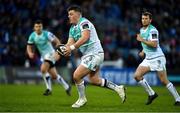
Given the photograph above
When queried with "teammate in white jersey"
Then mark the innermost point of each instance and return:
(83, 36)
(43, 41)
(154, 59)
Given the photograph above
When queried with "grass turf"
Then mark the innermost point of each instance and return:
(29, 98)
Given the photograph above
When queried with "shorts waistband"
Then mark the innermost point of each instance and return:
(100, 52)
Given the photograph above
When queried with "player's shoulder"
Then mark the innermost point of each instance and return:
(153, 29)
(85, 24)
(46, 32)
(84, 21)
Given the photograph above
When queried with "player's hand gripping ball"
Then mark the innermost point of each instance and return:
(61, 49)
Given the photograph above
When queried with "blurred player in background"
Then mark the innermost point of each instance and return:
(154, 59)
(43, 40)
(83, 36)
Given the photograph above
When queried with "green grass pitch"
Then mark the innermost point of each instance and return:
(29, 98)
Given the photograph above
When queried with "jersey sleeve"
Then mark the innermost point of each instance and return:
(30, 40)
(85, 25)
(153, 36)
(50, 36)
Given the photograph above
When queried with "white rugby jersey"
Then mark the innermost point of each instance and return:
(152, 34)
(42, 42)
(93, 45)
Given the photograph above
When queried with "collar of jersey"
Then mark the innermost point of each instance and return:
(144, 30)
(75, 25)
(39, 35)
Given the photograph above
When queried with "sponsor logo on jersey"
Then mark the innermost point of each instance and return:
(85, 26)
(154, 36)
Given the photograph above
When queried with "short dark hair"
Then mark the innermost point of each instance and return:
(38, 22)
(75, 8)
(146, 13)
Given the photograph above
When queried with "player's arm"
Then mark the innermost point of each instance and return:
(85, 37)
(30, 51)
(53, 39)
(142, 54)
(61, 49)
(151, 43)
(30, 47)
(70, 41)
(56, 41)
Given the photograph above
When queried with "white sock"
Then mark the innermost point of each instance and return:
(48, 78)
(61, 81)
(146, 86)
(102, 82)
(47, 81)
(173, 91)
(81, 90)
(108, 84)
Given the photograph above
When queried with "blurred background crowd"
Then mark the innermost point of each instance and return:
(117, 23)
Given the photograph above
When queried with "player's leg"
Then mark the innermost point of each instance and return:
(163, 77)
(53, 72)
(49, 61)
(79, 73)
(140, 72)
(96, 80)
(47, 80)
(56, 56)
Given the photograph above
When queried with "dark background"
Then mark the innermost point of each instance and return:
(117, 23)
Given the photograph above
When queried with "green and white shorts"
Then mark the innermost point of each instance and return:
(49, 57)
(92, 61)
(155, 64)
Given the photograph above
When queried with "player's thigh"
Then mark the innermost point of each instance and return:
(80, 72)
(92, 61)
(94, 77)
(53, 72)
(50, 57)
(163, 77)
(56, 56)
(45, 67)
(89, 63)
(141, 71)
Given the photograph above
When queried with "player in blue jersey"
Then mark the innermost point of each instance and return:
(83, 36)
(43, 40)
(154, 59)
